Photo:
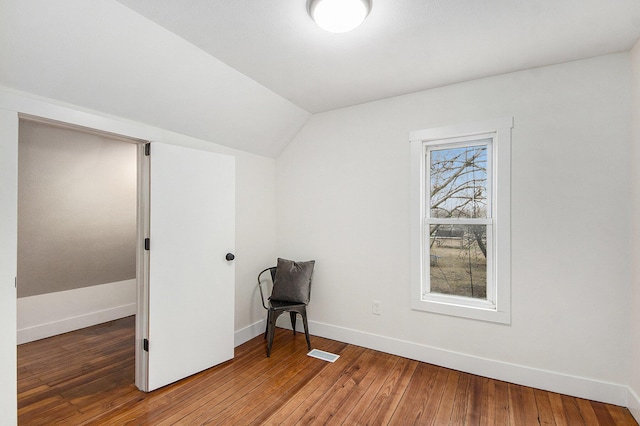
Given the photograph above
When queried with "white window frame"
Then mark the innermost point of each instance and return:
(497, 306)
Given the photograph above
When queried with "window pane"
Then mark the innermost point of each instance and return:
(458, 182)
(458, 260)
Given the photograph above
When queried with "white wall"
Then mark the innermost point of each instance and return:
(343, 199)
(8, 259)
(255, 217)
(49, 314)
(255, 239)
(634, 397)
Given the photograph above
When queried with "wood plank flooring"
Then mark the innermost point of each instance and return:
(87, 377)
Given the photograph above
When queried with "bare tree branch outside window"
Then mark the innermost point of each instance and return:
(458, 190)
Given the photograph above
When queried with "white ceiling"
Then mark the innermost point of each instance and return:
(404, 45)
(247, 74)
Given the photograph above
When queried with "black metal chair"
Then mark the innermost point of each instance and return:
(275, 308)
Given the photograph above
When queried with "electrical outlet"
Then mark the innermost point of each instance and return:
(375, 308)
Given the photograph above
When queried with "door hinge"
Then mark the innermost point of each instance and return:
(147, 149)
(145, 344)
(147, 244)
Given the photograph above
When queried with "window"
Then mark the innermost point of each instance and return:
(461, 224)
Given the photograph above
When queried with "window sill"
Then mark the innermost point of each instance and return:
(456, 306)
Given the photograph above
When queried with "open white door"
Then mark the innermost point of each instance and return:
(190, 290)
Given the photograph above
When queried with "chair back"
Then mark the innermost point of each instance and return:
(272, 272)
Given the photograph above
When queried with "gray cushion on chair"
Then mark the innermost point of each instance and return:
(292, 281)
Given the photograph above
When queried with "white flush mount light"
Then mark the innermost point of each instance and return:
(338, 16)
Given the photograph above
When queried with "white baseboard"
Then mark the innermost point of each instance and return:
(249, 332)
(47, 315)
(634, 404)
(580, 387)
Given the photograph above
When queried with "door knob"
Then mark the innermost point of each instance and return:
(229, 257)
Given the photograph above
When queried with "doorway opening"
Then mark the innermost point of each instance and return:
(78, 228)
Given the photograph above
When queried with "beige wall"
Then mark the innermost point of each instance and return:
(76, 209)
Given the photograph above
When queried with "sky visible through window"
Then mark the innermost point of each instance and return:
(458, 186)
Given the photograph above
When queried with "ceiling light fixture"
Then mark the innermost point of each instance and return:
(338, 16)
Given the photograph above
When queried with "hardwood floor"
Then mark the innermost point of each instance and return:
(87, 376)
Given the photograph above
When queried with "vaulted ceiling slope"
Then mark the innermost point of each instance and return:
(248, 73)
(103, 56)
(402, 47)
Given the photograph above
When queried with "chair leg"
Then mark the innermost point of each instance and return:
(271, 331)
(273, 318)
(266, 329)
(306, 328)
(292, 315)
